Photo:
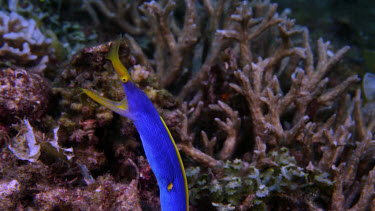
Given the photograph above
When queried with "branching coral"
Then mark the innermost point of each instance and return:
(230, 126)
(187, 138)
(123, 13)
(22, 43)
(268, 102)
(347, 173)
(252, 88)
(260, 86)
(172, 49)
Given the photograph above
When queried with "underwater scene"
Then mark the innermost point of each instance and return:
(187, 105)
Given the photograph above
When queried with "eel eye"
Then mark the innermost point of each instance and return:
(124, 79)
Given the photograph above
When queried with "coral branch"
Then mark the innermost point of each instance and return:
(176, 49)
(187, 137)
(231, 127)
(209, 144)
(346, 189)
(197, 155)
(125, 14)
(364, 139)
(367, 194)
(138, 52)
(327, 98)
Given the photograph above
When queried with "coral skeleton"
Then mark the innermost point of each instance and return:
(26, 147)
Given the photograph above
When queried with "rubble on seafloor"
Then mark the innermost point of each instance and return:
(255, 108)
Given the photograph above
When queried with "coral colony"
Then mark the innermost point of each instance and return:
(256, 108)
(22, 43)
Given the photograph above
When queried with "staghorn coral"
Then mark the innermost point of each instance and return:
(292, 114)
(347, 173)
(123, 13)
(252, 89)
(268, 102)
(22, 43)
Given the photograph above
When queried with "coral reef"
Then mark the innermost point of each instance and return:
(263, 118)
(254, 74)
(22, 94)
(241, 75)
(22, 43)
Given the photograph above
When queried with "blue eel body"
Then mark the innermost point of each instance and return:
(158, 144)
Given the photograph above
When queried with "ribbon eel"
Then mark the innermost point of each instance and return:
(157, 141)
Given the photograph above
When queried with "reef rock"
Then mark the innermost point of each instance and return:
(22, 94)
